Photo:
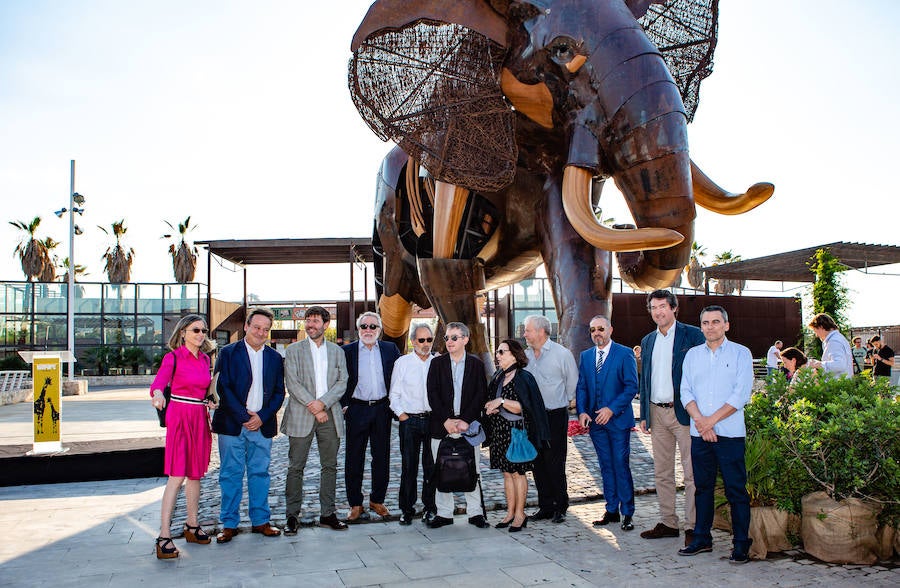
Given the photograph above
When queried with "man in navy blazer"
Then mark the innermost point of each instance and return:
(607, 383)
(663, 415)
(368, 416)
(251, 389)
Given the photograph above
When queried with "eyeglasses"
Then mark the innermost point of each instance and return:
(453, 337)
(502, 351)
(425, 339)
(365, 326)
(198, 330)
(601, 329)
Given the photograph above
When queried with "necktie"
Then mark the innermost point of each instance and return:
(599, 360)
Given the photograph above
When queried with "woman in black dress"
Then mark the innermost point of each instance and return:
(515, 401)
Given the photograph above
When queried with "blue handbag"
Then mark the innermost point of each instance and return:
(520, 448)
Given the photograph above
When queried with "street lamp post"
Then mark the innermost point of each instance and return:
(74, 199)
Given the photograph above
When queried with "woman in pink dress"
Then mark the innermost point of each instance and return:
(188, 437)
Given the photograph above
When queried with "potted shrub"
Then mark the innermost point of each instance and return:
(842, 435)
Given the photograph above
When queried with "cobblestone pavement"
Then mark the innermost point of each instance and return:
(585, 482)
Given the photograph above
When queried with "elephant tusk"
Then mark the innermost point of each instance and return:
(532, 100)
(576, 198)
(713, 198)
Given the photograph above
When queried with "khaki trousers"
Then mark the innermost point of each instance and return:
(665, 433)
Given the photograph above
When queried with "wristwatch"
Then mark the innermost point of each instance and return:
(501, 401)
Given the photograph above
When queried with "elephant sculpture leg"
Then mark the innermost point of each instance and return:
(573, 267)
(395, 313)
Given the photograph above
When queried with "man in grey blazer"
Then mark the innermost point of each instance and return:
(315, 373)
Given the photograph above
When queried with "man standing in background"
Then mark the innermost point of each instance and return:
(554, 368)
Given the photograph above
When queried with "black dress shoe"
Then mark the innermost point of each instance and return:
(558, 517)
(438, 521)
(543, 514)
(428, 516)
(607, 518)
(292, 526)
(406, 518)
(627, 525)
(503, 524)
(478, 521)
(695, 548)
(332, 522)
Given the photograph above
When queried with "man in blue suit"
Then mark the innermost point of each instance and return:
(251, 390)
(607, 383)
(368, 415)
(662, 414)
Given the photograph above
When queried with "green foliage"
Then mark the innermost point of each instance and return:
(133, 357)
(840, 435)
(829, 295)
(14, 362)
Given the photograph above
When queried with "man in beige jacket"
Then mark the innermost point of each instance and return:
(315, 373)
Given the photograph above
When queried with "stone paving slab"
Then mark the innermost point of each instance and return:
(101, 534)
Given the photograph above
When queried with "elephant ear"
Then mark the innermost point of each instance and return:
(685, 33)
(432, 86)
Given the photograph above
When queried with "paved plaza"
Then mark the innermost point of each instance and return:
(101, 534)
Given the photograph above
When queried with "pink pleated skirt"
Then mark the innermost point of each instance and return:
(188, 440)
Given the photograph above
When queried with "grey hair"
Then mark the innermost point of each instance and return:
(539, 321)
(462, 328)
(370, 314)
(414, 328)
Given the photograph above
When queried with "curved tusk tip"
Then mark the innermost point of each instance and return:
(761, 191)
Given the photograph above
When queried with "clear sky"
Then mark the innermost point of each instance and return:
(238, 114)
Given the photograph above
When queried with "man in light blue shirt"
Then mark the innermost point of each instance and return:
(715, 385)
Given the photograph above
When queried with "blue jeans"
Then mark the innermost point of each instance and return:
(613, 448)
(725, 455)
(252, 452)
(415, 440)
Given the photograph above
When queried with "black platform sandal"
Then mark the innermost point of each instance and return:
(163, 552)
(196, 535)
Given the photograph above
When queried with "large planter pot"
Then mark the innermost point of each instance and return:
(840, 532)
(770, 528)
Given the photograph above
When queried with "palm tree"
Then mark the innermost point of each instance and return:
(30, 250)
(50, 260)
(184, 257)
(118, 259)
(80, 270)
(728, 286)
(695, 267)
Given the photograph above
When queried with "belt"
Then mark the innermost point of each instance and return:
(664, 404)
(419, 415)
(187, 399)
(381, 400)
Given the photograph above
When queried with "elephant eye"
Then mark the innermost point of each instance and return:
(562, 50)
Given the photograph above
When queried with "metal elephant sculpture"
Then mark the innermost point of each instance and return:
(509, 116)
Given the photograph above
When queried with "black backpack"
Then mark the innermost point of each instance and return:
(454, 466)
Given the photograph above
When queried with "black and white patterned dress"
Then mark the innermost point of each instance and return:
(501, 435)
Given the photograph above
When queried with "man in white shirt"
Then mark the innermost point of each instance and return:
(773, 356)
(836, 355)
(556, 373)
(409, 401)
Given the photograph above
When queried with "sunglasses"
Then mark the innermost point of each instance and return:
(601, 329)
(502, 351)
(365, 326)
(425, 339)
(453, 337)
(198, 330)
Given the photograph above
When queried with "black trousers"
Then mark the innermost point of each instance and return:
(415, 440)
(367, 425)
(550, 465)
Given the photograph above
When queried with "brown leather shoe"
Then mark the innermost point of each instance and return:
(380, 510)
(266, 529)
(227, 535)
(332, 522)
(660, 531)
(356, 513)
